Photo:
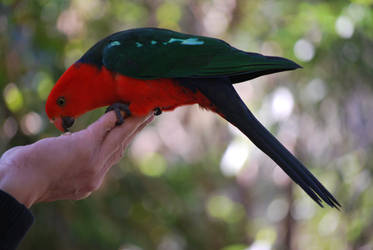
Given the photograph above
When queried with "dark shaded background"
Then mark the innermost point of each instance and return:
(190, 181)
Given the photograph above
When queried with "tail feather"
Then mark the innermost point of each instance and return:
(230, 106)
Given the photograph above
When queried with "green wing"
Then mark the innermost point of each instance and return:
(151, 53)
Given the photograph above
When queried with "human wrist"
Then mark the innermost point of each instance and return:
(14, 184)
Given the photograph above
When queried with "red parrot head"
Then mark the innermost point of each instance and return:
(81, 88)
(65, 102)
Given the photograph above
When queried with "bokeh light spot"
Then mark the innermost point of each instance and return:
(153, 165)
(31, 123)
(70, 23)
(328, 223)
(219, 206)
(13, 97)
(223, 208)
(217, 15)
(260, 245)
(264, 239)
(303, 209)
(282, 103)
(234, 157)
(172, 242)
(277, 210)
(10, 127)
(304, 50)
(315, 90)
(344, 27)
(44, 84)
(130, 247)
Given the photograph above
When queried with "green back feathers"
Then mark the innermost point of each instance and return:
(151, 53)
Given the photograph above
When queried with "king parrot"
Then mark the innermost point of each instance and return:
(150, 69)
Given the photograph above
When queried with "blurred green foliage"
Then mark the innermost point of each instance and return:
(189, 181)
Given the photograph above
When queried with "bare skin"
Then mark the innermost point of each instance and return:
(68, 167)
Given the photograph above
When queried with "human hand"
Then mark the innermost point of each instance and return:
(70, 166)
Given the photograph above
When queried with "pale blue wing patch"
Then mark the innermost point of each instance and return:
(189, 41)
(112, 44)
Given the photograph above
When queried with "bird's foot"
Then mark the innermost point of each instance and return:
(157, 111)
(117, 107)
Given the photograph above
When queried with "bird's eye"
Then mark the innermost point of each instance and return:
(61, 101)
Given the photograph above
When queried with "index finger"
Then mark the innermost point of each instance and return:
(117, 135)
(103, 125)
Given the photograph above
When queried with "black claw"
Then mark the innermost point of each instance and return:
(117, 107)
(157, 111)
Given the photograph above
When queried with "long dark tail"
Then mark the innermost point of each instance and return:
(230, 106)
